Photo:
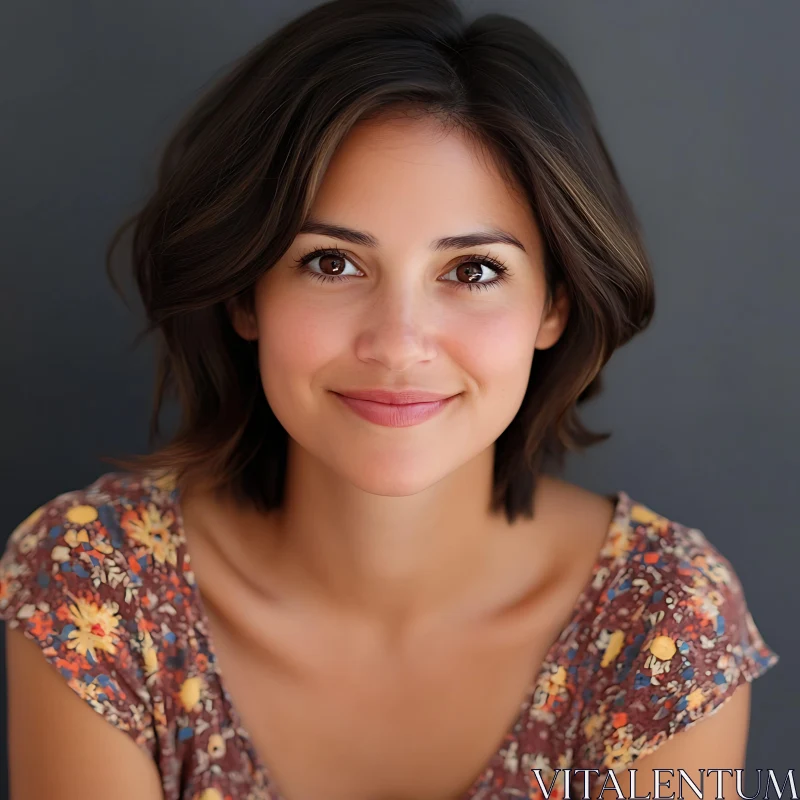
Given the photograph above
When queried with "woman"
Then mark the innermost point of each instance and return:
(386, 258)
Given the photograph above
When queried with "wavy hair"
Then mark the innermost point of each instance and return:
(238, 176)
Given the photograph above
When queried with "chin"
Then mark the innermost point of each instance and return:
(397, 488)
(395, 479)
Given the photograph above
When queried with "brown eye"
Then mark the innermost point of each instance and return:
(470, 270)
(332, 264)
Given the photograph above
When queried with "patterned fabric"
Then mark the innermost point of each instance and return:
(100, 579)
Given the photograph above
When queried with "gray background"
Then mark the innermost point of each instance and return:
(698, 104)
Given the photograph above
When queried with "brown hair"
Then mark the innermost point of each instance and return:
(238, 177)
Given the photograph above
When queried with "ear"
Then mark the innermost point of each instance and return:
(243, 319)
(554, 319)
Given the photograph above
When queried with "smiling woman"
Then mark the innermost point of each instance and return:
(386, 260)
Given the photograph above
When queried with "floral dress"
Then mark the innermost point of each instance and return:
(100, 579)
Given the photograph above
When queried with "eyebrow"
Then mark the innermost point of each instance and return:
(464, 240)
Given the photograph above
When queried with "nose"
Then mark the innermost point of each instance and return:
(398, 330)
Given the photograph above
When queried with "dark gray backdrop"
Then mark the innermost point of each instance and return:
(699, 106)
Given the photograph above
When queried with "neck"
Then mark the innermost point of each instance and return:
(388, 556)
(390, 560)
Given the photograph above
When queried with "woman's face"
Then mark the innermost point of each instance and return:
(399, 313)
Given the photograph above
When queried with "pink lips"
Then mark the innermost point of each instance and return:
(396, 409)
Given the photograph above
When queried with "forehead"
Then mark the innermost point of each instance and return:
(411, 180)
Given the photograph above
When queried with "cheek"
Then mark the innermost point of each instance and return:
(496, 348)
(295, 338)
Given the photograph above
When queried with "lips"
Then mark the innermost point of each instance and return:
(396, 415)
(398, 398)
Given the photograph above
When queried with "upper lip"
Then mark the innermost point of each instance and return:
(399, 398)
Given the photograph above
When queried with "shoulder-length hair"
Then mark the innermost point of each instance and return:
(238, 177)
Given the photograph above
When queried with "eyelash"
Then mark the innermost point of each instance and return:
(494, 264)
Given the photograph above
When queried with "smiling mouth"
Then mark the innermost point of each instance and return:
(397, 397)
(396, 415)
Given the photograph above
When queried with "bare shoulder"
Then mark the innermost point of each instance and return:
(574, 510)
(568, 531)
(55, 741)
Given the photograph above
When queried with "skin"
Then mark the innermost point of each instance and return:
(384, 593)
(389, 505)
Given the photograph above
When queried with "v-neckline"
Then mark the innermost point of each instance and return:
(622, 504)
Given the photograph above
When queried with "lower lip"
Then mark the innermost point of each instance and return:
(395, 416)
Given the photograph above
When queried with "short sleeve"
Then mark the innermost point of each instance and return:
(62, 584)
(678, 643)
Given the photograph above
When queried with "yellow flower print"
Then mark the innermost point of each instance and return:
(81, 515)
(661, 525)
(592, 725)
(149, 653)
(209, 794)
(615, 642)
(711, 570)
(558, 679)
(103, 547)
(695, 699)
(618, 750)
(619, 540)
(73, 538)
(151, 529)
(216, 746)
(191, 690)
(550, 690)
(663, 648)
(89, 691)
(643, 515)
(95, 627)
